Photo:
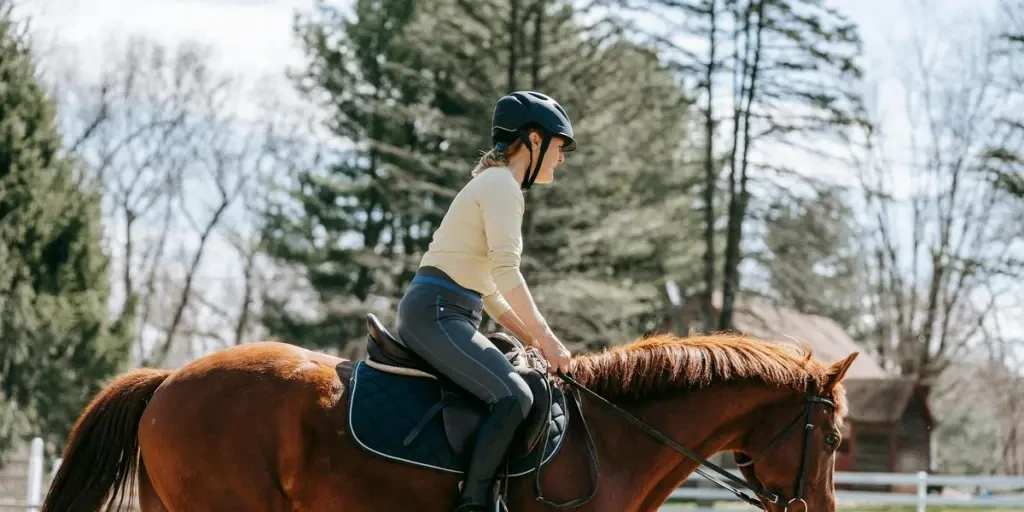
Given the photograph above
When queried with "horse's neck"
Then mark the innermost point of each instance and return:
(706, 421)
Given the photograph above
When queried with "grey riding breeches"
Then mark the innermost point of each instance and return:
(438, 320)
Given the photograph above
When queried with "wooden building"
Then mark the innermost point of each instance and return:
(889, 425)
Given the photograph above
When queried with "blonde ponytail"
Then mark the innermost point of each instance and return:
(496, 157)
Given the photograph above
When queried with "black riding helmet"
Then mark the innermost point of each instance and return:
(517, 113)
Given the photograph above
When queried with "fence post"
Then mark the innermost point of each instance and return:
(922, 490)
(35, 475)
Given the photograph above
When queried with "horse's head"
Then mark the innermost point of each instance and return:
(791, 451)
(764, 394)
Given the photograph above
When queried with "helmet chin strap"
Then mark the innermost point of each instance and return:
(531, 175)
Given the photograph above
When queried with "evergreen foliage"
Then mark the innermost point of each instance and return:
(411, 86)
(58, 344)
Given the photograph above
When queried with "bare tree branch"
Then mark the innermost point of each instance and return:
(939, 226)
(165, 136)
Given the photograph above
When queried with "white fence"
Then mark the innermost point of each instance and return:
(962, 490)
(949, 490)
(31, 487)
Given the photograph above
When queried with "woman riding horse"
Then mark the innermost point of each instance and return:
(472, 266)
(268, 426)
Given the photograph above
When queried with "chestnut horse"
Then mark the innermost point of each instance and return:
(263, 427)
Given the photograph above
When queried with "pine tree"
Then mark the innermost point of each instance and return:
(815, 263)
(599, 242)
(58, 344)
(432, 72)
(778, 71)
(796, 70)
(356, 228)
(618, 221)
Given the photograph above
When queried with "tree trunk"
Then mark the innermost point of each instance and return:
(710, 179)
(739, 198)
(513, 39)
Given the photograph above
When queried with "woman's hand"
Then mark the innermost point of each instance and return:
(555, 352)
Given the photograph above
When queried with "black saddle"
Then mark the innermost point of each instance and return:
(462, 411)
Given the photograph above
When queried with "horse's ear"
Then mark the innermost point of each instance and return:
(838, 370)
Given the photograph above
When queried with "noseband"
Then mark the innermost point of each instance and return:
(735, 484)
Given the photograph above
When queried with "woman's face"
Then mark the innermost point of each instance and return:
(552, 158)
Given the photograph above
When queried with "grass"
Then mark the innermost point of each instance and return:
(889, 508)
(933, 508)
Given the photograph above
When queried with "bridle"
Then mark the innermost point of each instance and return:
(745, 462)
(734, 485)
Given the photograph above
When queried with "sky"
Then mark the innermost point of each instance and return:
(253, 38)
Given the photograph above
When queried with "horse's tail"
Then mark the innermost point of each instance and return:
(101, 456)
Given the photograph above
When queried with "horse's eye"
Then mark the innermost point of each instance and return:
(832, 439)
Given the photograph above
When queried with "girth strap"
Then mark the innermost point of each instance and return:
(444, 401)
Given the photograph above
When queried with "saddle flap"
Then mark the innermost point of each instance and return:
(461, 417)
(533, 426)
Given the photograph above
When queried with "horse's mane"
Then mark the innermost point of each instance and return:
(664, 363)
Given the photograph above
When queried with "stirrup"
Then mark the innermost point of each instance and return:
(499, 506)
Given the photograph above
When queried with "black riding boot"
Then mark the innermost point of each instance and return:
(492, 439)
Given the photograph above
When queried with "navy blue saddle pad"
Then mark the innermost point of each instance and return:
(385, 407)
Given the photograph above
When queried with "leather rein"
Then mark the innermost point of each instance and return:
(734, 483)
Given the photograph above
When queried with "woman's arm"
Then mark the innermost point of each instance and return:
(525, 310)
(503, 216)
(501, 311)
(516, 311)
(521, 301)
(512, 323)
(511, 305)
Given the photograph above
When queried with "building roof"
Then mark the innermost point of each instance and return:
(881, 400)
(829, 341)
(874, 396)
(826, 337)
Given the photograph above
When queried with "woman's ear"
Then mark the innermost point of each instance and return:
(535, 138)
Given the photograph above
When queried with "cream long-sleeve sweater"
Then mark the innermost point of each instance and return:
(479, 242)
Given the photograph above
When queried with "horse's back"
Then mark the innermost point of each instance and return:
(267, 379)
(248, 416)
